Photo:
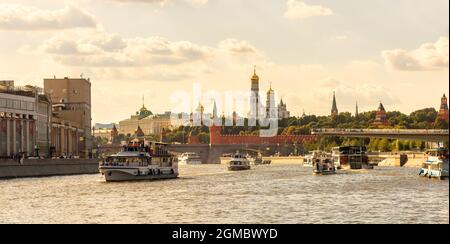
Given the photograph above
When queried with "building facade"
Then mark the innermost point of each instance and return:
(381, 116)
(283, 113)
(149, 123)
(25, 118)
(443, 111)
(65, 138)
(71, 98)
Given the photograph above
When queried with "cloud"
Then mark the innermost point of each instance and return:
(429, 56)
(141, 58)
(101, 49)
(18, 17)
(348, 92)
(300, 10)
(236, 47)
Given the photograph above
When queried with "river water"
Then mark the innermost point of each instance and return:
(278, 193)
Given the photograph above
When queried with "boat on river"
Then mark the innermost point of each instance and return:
(258, 160)
(436, 164)
(139, 160)
(189, 158)
(351, 157)
(323, 164)
(238, 162)
(308, 160)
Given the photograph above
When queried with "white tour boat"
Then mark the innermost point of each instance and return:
(189, 158)
(138, 161)
(436, 164)
(238, 162)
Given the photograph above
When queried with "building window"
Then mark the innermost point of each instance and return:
(30, 106)
(16, 104)
(23, 105)
(9, 103)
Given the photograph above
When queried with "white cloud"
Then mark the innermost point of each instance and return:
(101, 49)
(429, 56)
(157, 58)
(297, 9)
(236, 47)
(27, 18)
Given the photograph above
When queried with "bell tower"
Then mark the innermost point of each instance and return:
(254, 97)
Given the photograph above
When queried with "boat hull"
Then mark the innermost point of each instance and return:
(438, 174)
(136, 174)
(190, 162)
(324, 172)
(238, 168)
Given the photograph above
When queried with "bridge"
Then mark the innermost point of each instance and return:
(417, 135)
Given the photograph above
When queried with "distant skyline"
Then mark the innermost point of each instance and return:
(367, 51)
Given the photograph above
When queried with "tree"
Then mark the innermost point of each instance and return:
(384, 145)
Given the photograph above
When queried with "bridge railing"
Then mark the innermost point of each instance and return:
(383, 131)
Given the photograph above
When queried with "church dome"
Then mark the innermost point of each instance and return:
(255, 77)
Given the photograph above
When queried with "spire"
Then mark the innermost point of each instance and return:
(270, 89)
(255, 76)
(143, 100)
(356, 112)
(334, 109)
(381, 107)
(215, 110)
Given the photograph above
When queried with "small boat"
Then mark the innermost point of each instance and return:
(138, 161)
(308, 160)
(238, 162)
(436, 164)
(323, 164)
(189, 158)
(258, 160)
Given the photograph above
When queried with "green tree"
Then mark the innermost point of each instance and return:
(384, 145)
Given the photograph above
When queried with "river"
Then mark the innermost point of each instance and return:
(278, 193)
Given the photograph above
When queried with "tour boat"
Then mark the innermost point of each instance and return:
(323, 164)
(138, 161)
(436, 164)
(189, 158)
(351, 157)
(238, 162)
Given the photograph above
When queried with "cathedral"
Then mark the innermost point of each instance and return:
(271, 109)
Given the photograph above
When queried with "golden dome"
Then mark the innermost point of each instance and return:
(255, 77)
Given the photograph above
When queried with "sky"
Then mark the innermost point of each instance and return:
(366, 51)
